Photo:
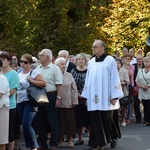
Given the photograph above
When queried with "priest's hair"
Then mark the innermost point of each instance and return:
(101, 43)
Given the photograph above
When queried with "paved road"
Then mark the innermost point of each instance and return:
(134, 137)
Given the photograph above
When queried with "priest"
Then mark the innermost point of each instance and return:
(102, 90)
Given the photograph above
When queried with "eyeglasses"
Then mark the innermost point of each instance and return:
(40, 55)
(14, 59)
(94, 47)
(127, 58)
(25, 62)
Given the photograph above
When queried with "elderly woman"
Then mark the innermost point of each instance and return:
(67, 122)
(143, 82)
(130, 68)
(124, 79)
(148, 54)
(4, 109)
(25, 109)
(13, 80)
(82, 115)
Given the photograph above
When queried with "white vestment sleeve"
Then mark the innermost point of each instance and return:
(84, 92)
(116, 89)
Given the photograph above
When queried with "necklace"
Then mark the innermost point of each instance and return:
(81, 69)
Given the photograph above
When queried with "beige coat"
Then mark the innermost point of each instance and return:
(124, 76)
(69, 91)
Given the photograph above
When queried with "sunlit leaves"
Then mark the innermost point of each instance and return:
(128, 23)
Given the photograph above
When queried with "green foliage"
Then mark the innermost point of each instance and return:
(28, 26)
(128, 24)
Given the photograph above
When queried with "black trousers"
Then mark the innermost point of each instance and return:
(47, 121)
(12, 113)
(146, 105)
(137, 109)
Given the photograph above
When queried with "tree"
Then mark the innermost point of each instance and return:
(128, 23)
(70, 25)
(27, 26)
(17, 20)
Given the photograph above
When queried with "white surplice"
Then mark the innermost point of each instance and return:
(102, 84)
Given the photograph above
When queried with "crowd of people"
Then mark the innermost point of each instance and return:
(83, 93)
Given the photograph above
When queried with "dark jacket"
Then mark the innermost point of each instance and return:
(70, 67)
(136, 71)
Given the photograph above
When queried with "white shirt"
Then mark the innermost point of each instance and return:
(133, 61)
(23, 85)
(102, 84)
(52, 75)
(139, 78)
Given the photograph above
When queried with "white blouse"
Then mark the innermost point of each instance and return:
(140, 79)
(4, 89)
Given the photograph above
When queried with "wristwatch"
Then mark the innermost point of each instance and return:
(59, 97)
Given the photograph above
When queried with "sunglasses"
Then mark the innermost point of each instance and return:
(25, 62)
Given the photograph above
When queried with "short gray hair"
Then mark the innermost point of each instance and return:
(48, 53)
(139, 56)
(82, 55)
(125, 48)
(58, 60)
(146, 58)
(63, 52)
(148, 54)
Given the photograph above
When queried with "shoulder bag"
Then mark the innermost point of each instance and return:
(126, 100)
(36, 95)
(135, 90)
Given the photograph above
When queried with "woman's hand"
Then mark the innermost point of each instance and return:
(145, 88)
(123, 83)
(113, 101)
(29, 79)
(79, 96)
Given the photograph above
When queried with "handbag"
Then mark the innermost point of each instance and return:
(82, 101)
(36, 95)
(126, 100)
(135, 90)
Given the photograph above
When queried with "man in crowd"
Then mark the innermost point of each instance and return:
(102, 90)
(138, 65)
(124, 51)
(65, 54)
(117, 53)
(47, 115)
(132, 54)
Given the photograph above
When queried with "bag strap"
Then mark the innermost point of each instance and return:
(30, 72)
(144, 77)
(34, 108)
